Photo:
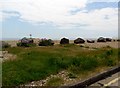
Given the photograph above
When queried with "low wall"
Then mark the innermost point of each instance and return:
(96, 78)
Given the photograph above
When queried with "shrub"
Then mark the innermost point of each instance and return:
(88, 63)
(26, 44)
(19, 44)
(107, 53)
(74, 69)
(72, 75)
(110, 62)
(45, 42)
(5, 45)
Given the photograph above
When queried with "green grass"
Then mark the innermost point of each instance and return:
(55, 81)
(72, 75)
(36, 63)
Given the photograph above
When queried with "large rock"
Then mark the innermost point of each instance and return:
(79, 41)
(64, 41)
(114, 40)
(90, 41)
(108, 39)
(27, 40)
(118, 40)
(101, 39)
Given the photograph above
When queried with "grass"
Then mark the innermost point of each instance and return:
(72, 75)
(36, 63)
(56, 81)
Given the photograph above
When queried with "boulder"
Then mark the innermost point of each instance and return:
(27, 40)
(64, 41)
(90, 41)
(113, 40)
(101, 39)
(79, 41)
(108, 39)
(118, 40)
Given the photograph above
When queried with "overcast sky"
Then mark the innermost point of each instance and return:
(59, 18)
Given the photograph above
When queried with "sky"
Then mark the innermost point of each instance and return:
(56, 19)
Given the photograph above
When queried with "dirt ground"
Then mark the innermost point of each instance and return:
(113, 44)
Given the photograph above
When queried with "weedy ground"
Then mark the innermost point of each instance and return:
(36, 63)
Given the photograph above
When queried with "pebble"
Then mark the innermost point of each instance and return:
(62, 74)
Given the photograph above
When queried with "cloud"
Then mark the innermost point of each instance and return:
(6, 15)
(44, 10)
(91, 1)
(58, 12)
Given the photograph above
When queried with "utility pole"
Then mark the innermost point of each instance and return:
(30, 35)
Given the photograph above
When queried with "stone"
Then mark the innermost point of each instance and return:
(101, 39)
(90, 41)
(27, 40)
(108, 39)
(64, 41)
(79, 41)
(118, 40)
(113, 40)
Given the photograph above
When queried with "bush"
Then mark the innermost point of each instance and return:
(110, 62)
(45, 42)
(107, 54)
(5, 45)
(26, 44)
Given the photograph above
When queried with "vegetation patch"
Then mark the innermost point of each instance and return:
(46, 42)
(55, 81)
(72, 75)
(26, 44)
(36, 63)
